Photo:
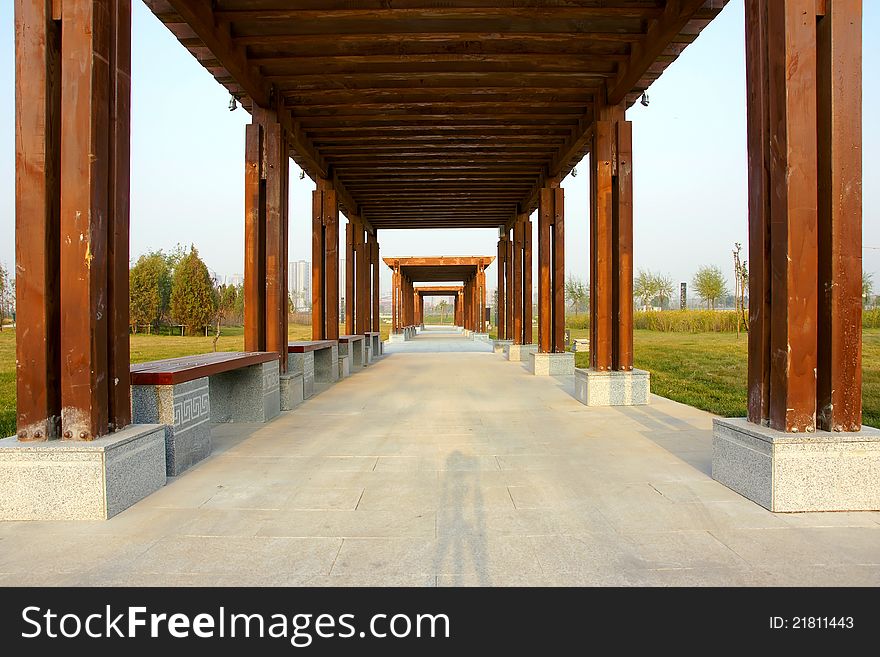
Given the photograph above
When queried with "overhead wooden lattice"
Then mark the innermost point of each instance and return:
(429, 114)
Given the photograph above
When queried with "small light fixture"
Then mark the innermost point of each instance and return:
(644, 99)
(233, 103)
(302, 174)
(574, 172)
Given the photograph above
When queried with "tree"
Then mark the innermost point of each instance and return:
(577, 294)
(149, 289)
(4, 293)
(645, 287)
(740, 283)
(867, 288)
(442, 307)
(710, 285)
(665, 288)
(193, 297)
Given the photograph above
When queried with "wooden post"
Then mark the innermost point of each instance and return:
(517, 292)
(508, 288)
(319, 291)
(331, 247)
(349, 277)
(254, 241)
(94, 173)
(273, 199)
(839, 46)
(551, 271)
(545, 319)
(501, 305)
(362, 276)
(37, 219)
(527, 283)
(557, 255)
(804, 120)
(375, 256)
(611, 241)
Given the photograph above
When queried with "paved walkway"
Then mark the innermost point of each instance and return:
(451, 468)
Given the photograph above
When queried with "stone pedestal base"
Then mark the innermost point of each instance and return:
(70, 480)
(519, 352)
(327, 364)
(595, 388)
(291, 391)
(792, 472)
(481, 336)
(397, 337)
(344, 366)
(498, 346)
(551, 364)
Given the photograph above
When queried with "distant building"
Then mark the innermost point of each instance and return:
(235, 280)
(299, 283)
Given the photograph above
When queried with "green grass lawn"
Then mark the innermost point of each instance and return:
(706, 370)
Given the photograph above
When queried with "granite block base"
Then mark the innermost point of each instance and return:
(327, 364)
(551, 364)
(89, 480)
(796, 472)
(185, 410)
(291, 388)
(519, 352)
(610, 388)
(498, 346)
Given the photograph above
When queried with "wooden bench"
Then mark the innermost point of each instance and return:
(373, 345)
(188, 393)
(316, 360)
(353, 346)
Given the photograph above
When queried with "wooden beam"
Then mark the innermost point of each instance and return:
(644, 53)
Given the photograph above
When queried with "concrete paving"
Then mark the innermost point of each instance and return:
(438, 465)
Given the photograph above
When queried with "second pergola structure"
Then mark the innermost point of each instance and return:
(470, 302)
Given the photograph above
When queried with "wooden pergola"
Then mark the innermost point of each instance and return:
(428, 114)
(454, 291)
(470, 303)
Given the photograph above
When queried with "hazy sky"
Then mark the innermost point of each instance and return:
(689, 161)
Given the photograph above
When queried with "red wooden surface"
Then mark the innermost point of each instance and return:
(37, 219)
(171, 371)
(309, 345)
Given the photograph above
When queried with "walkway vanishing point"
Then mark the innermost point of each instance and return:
(440, 464)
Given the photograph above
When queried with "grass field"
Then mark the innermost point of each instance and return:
(706, 370)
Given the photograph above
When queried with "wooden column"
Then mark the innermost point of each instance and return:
(37, 218)
(325, 263)
(483, 294)
(375, 296)
(551, 271)
(72, 217)
(517, 291)
(350, 266)
(266, 229)
(362, 282)
(804, 120)
(501, 302)
(611, 241)
(527, 283)
(508, 285)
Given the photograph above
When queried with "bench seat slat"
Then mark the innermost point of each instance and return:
(350, 338)
(171, 371)
(308, 345)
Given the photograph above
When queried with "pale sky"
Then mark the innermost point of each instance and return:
(689, 161)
